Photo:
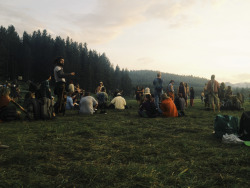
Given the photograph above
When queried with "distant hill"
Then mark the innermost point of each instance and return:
(239, 85)
(145, 78)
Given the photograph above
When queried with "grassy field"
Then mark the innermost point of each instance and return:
(120, 149)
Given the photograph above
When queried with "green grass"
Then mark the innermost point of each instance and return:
(121, 149)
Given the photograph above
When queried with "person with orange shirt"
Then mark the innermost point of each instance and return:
(168, 107)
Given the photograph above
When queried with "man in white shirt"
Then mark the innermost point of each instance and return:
(88, 104)
(119, 102)
(60, 84)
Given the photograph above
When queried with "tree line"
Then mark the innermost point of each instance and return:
(32, 55)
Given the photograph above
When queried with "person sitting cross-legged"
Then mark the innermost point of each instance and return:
(148, 108)
(88, 104)
(102, 98)
(118, 102)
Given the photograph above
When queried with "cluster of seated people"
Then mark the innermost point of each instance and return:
(168, 107)
(89, 104)
(228, 101)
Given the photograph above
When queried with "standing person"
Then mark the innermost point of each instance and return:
(191, 96)
(213, 89)
(60, 84)
(99, 88)
(182, 90)
(206, 99)
(88, 104)
(158, 82)
(187, 93)
(170, 89)
(138, 95)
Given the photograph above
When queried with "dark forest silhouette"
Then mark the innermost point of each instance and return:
(32, 56)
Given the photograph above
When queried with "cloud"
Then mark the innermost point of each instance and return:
(103, 22)
(112, 17)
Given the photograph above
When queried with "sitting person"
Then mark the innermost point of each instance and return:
(168, 107)
(118, 102)
(180, 104)
(69, 103)
(146, 92)
(148, 108)
(102, 98)
(7, 112)
(88, 104)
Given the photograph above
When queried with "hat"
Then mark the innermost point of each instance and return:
(147, 91)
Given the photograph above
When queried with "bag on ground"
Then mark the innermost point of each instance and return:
(226, 124)
(244, 130)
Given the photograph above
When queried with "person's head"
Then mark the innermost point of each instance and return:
(164, 96)
(71, 82)
(191, 88)
(87, 94)
(147, 90)
(59, 61)
(181, 84)
(70, 94)
(159, 75)
(119, 94)
(5, 92)
(222, 85)
(213, 77)
(180, 95)
(101, 84)
(171, 81)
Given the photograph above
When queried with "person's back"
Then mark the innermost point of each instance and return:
(168, 107)
(119, 102)
(87, 105)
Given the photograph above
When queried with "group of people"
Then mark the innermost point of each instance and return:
(169, 104)
(220, 96)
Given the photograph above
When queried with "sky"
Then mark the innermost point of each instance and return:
(185, 37)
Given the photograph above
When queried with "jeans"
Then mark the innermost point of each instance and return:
(157, 101)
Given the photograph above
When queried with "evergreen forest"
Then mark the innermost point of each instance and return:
(32, 57)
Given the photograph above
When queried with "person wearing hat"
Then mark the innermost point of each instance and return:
(146, 92)
(119, 102)
(168, 107)
(170, 89)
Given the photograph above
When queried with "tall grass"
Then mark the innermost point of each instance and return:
(121, 149)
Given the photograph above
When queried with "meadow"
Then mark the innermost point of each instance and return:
(121, 149)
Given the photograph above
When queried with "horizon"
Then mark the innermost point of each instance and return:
(184, 37)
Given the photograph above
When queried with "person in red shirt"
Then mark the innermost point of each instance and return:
(168, 107)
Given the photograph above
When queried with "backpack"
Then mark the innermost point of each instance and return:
(47, 108)
(226, 124)
(33, 109)
(244, 130)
